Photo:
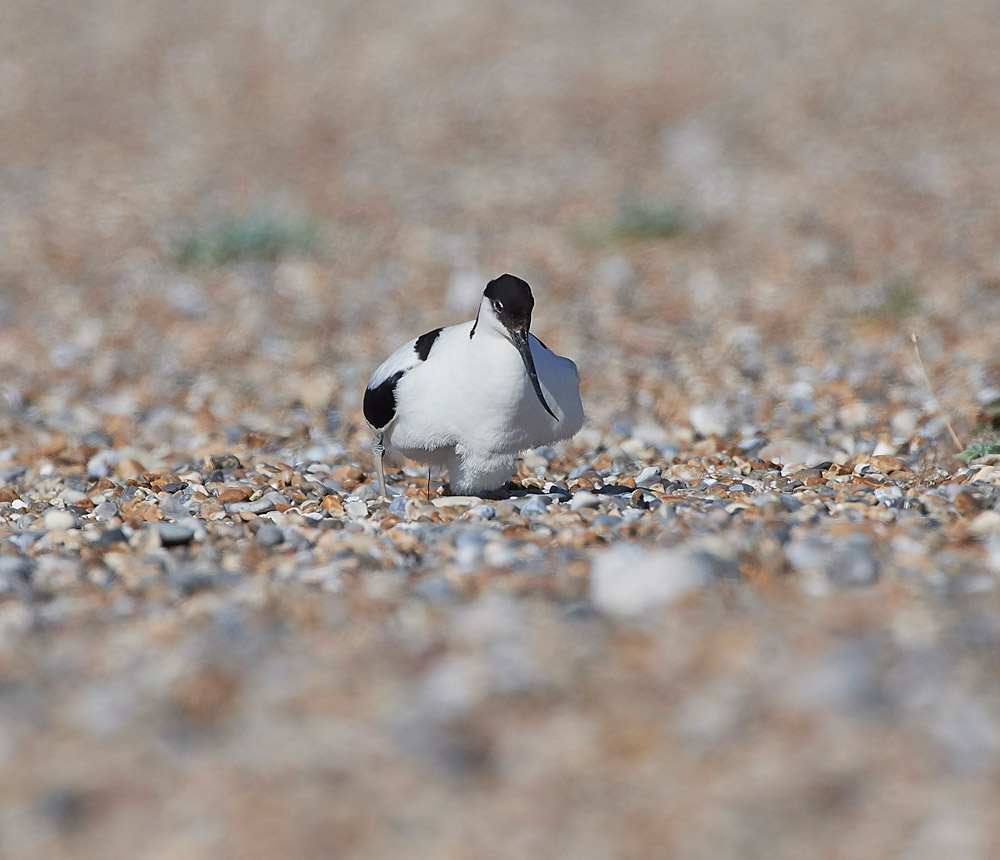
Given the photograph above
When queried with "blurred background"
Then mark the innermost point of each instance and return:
(216, 218)
(219, 217)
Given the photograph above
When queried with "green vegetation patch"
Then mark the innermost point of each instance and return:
(636, 223)
(250, 237)
(901, 299)
(975, 450)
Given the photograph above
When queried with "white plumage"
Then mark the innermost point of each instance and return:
(463, 397)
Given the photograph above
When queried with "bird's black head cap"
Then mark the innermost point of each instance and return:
(512, 301)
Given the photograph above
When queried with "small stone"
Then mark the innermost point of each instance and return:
(397, 507)
(630, 581)
(370, 492)
(266, 503)
(483, 512)
(235, 494)
(269, 535)
(648, 476)
(8, 494)
(887, 464)
(536, 505)
(56, 519)
(173, 534)
(350, 473)
(892, 496)
(171, 507)
(788, 452)
(220, 461)
(355, 508)
(966, 503)
(106, 510)
(109, 538)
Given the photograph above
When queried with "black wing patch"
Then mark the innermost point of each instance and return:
(425, 342)
(380, 402)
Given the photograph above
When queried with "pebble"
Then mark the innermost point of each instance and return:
(269, 535)
(173, 534)
(355, 508)
(171, 507)
(796, 452)
(630, 581)
(105, 510)
(55, 519)
(648, 476)
(536, 505)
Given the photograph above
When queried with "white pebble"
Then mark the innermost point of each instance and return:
(630, 581)
(54, 519)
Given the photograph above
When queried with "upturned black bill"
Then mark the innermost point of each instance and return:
(520, 338)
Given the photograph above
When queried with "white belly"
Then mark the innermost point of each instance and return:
(477, 397)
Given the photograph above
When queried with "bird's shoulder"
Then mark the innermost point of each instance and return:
(417, 351)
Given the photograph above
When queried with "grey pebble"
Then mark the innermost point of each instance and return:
(174, 534)
(648, 476)
(12, 473)
(265, 504)
(484, 512)
(106, 510)
(171, 507)
(269, 535)
(536, 505)
(109, 537)
(355, 508)
(397, 507)
(891, 495)
(369, 492)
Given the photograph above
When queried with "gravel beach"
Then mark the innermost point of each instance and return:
(751, 610)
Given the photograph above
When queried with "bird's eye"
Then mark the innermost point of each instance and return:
(498, 305)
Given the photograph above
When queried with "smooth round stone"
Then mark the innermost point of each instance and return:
(269, 535)
(55, 519)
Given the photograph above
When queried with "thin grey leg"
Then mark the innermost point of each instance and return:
(378, 449)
